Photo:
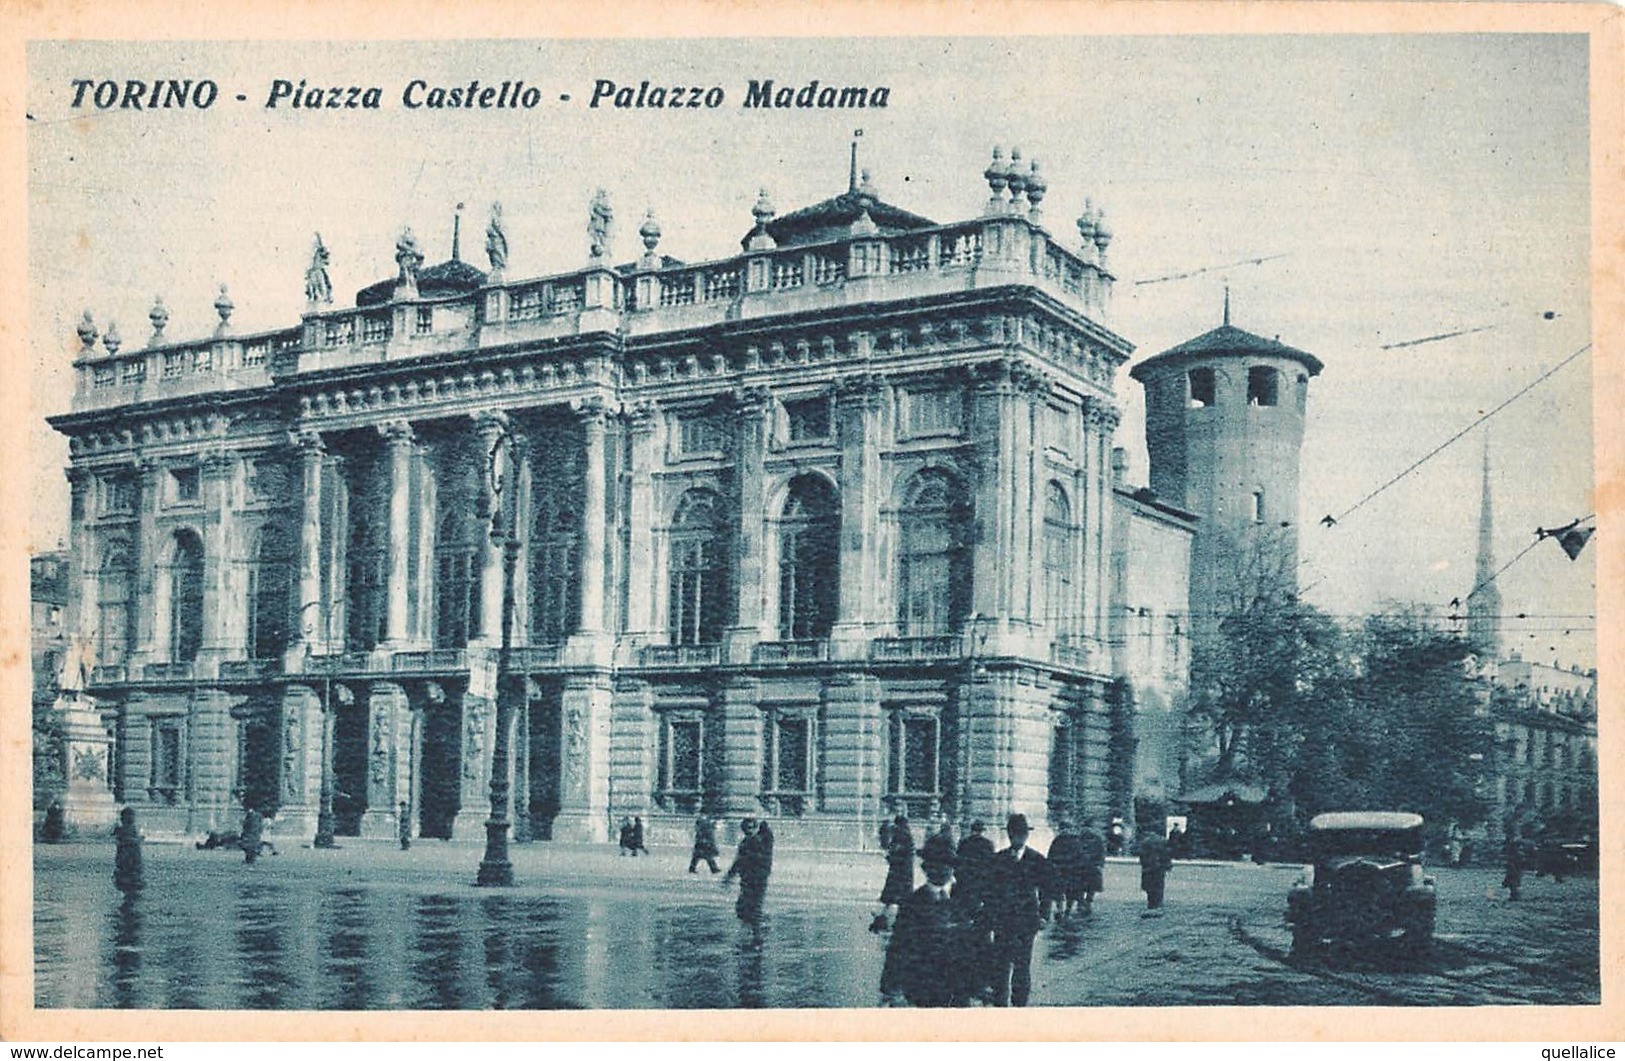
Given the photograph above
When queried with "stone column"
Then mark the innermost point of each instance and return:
(854, 765)
(151, 641)
(211, 753)
(79, 618)
(303, 726)
(595, 516)
(867, 588)
(752, 407)
(312, 619)
(640, 521)
(1031, 484)
(336, 503)
(741, 747)
(523, 826)
(225, 591)
(1103, 420)
(389, 737)
(584, 759)
(489, 427)
(398, 444)
(1030, 729)
(478, 734)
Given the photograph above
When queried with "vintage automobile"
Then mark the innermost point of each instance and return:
(1365, 883)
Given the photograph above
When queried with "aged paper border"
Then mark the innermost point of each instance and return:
(24, 20)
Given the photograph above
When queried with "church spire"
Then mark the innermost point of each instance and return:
(1484, 605)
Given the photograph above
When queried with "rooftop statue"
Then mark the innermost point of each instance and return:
(599, 218)
(318, 288)
(496, 240)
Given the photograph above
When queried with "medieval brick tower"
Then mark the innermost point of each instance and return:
(1224, 424)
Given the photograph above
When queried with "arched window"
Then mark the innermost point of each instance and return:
(698, 608)
(557, 503)
(186, 598)
(934, 571)
(809, 571)
(270, 593)
(113, 601)
(458, 530)
(1059, 562)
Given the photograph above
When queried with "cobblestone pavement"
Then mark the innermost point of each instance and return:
(372, 927)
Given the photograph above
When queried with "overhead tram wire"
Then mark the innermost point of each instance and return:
(1208, 269)
(1441, 447)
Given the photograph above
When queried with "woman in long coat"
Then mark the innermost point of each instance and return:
(899, 873)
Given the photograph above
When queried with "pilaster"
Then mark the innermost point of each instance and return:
(225, 618)
(864, 545)
(752, 407)
(312, 619)
(584, 759)
(389, 735)
(303, 724)
(589, 645)
(147, 558)
(631, 748)
(478, 736)
(741, 747)
(854, 765)
(211, 753)
(640, 521)
(489, 427)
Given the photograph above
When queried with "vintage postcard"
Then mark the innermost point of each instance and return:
(828, 511)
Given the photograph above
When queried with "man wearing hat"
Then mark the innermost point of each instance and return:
(925, 960)
(1016, 906)
(752, 865)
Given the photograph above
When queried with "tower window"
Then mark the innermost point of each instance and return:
(1201, 380)
(1257, 505)
(1263, 387)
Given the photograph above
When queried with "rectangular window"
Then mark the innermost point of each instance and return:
(935, 412)
(165, 783)
(807, 419)
(1202, 388)
(912, 763)
(699, 434)
(1058, 427)
(424, 323)
(1263, 386)
(183, 486)
(118, 495)
(682, 760)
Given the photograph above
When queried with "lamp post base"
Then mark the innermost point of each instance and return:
(496, 871)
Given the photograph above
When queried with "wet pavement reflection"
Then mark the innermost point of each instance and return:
(236, 941)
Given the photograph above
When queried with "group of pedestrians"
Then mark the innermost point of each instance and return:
(967, 934)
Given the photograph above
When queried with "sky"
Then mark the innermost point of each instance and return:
(1402, 187)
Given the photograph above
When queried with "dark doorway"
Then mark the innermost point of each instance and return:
(350, 767)
(544, 761)
(441, 788)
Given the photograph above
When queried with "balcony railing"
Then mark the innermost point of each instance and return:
(942, 646)
(791, 651)
(249, 668)
(431, 661)
(161, 672)
(535, 657)
(682, 655)
(109, 674)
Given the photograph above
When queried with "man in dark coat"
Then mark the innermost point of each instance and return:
(926, 959)
(975, 854)
(752, 865)
(705, 844)
(1014, 909)
(637, 837)
(404, 826)
(1093, 846)
(1155, 862)
(127, 868)
(899, 883)
(253, 834)
(1066, 869)
(1516, 853)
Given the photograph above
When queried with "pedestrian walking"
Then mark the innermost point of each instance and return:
(974, 858)
(1514, 853)
(926, 958)
(1014, 909)
(626, 839)
(404, 827)
(1094, 865)
(252, 834)
(1065, 857)
(752, 865)
(705, 844)
(54, 829)
(1116, 837)
(899, 873)
(128, 875)
(1155, 862)
(637, 837)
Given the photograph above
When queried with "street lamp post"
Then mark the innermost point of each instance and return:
(495, 868)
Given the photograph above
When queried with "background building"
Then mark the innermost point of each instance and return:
(822, 531)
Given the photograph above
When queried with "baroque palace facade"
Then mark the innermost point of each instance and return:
(823, 531)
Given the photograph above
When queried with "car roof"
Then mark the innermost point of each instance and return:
(1337, 821)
